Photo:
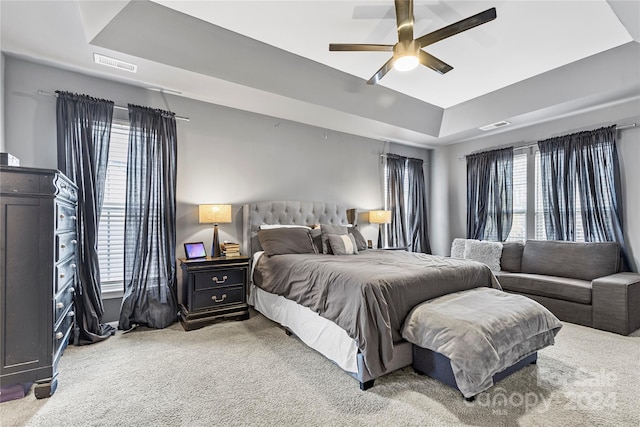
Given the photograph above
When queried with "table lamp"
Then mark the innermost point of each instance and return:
(216, 214)
(380, 217)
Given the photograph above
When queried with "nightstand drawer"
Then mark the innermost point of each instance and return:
(218, 297)
(217, 278)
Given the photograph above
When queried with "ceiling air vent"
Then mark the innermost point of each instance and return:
(114, 63)
(495, 125)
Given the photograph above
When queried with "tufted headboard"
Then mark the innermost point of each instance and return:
(286, 213)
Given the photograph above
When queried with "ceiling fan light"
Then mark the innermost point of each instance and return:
(406, 62)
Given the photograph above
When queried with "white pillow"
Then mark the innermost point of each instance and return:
(272, 226)
(457, 248)
(483, 251)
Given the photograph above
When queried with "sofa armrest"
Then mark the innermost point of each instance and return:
(616, 303)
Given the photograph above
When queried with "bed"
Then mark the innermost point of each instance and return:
(352, 318)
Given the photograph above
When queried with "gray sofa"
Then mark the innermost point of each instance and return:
(578, 282)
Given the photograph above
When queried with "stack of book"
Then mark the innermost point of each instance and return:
(230, 249)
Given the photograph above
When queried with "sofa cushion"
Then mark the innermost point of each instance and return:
(511, 259)
(585, 261)
(562, 288)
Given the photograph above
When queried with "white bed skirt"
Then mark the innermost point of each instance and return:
(319, 333)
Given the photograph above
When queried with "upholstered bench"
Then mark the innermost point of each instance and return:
(473, 338)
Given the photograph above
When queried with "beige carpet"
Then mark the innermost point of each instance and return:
(251, 373)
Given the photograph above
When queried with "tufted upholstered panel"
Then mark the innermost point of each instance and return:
(286, 213)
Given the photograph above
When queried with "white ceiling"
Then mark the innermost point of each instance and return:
(537, 60)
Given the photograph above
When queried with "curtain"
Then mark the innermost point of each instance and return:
(83, 133)
(417, 225)
(586, 162)
(557, 164)
(396, 231)
(150, 225)
(490, 195)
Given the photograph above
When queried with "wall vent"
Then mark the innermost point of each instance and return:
(495, 125)
(114, 63)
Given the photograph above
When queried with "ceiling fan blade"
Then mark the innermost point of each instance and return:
(458, 27)
(404, 18)
(334, 47)
(434, 63)
(381, 72)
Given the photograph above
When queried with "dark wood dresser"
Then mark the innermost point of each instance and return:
(213, 289)
(37, 274)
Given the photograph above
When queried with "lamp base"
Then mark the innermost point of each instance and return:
(215, 246)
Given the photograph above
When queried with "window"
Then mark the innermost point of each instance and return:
(519, 223)
(540, 231)
(111, 226)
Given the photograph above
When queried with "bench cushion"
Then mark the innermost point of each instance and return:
(562, 288)
(482, 331)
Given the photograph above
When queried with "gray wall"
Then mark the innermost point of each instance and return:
(449, 171)
(2, 149)
(224, 155)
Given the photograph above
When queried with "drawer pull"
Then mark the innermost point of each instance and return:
(73, 218)
(72, 290)
(221, 299)
(74, 242)
(62, 246)
(61, 216)
(215, 279)
(59, 335)
(73, 266)
(70, 314)
(59, 305)
(62, 275)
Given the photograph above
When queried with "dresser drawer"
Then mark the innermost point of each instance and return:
(65, 217)
(215, 278)
(218, 297)
(65, 245)
(63, 300)
(65, 271)
(65, 189)
(62, 331)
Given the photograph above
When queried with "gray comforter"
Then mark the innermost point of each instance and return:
(482, 332)
(369, 294)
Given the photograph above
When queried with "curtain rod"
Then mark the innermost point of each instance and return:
(117, 107)
(534, 144)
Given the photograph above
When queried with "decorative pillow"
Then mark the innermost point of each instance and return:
(457, 248)
(483, 251)
(286, 240)
(361, 242)
(327, 229)
(271, 226)
(343, 244)
(316, 236)
(511, 258)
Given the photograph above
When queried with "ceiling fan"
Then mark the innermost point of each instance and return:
(408, 53)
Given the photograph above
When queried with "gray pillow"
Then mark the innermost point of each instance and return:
(361, 242)
(343, 244)
(279, 241)
(327, 229)
(511, 256)
(316, 236)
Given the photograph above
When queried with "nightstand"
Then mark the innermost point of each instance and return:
(213, 289)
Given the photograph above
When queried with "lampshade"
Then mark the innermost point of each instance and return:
(380, 217)
(217, 214)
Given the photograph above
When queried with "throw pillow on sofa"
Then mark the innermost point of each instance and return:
(485, 252)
